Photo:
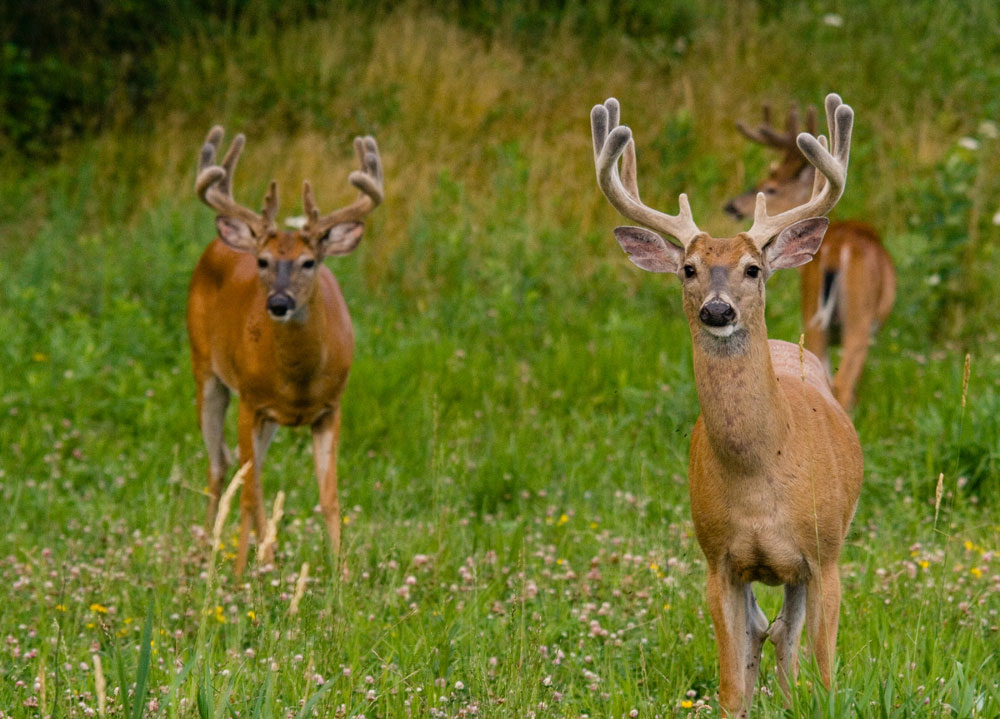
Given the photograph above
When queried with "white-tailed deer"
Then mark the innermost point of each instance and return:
(775, 465)
(266, 320)
(849, 288)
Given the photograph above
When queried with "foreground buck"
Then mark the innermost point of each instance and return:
(851, 285)
(775, 466)
(267, 321)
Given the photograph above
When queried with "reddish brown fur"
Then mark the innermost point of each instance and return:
(289, 373)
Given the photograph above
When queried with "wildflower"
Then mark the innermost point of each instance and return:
(219, 616)
(976, 572)
(830, 20)
(562, 520)
(252, 615)
(969, 143)
(40, 357)
(61, 607)
(347, 519)
(687, 704)
(99, 608)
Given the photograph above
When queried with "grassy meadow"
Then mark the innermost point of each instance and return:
(517, 538)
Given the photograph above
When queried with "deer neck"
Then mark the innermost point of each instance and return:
(745, 414)
(299, 347)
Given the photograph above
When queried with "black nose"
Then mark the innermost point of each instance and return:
(731, 209)
(280, 305)
(717, 313)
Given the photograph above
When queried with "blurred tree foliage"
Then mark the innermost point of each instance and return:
(71, 67)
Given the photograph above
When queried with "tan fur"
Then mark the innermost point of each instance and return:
(775, 465)
(851, 251)
(775, 474)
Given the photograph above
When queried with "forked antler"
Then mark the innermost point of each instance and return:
(612, 141)
(214, 184)
(368, 180)
(830, 178)
(767, 135)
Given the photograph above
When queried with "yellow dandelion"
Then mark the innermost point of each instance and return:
(654, 567)
(90, 625)
(969, 546)
(347, 519)
(128, 620)
(99, 608)
(219, 616)
(60, 607)
(40, 357)
(687, 704)
(562, 520)
(593, 525)
(252, 615)
(976, 572)
(559, 561)
(666, 607)
(924, 564)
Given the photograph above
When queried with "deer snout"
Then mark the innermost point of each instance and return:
(717, 313)
(280, 305)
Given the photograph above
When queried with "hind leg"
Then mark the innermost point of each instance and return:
(756, 633)
(786, 633)
(326, 437)
(212, 401)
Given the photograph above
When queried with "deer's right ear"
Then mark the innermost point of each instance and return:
(235, 233)
(649, 251)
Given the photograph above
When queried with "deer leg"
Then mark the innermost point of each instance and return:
(822, 617)
(326, 437)
(213, 399)
(728, 605)
(756, 633)
(785, 633)
(255, 437)
(857, 335)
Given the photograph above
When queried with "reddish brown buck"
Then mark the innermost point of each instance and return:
(775, 466)
(850, 287)
(267, 321)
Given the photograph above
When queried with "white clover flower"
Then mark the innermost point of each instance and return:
(969, 143)
(832, 19)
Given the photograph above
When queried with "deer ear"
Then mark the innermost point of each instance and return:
(235, 233)
(796, 244)
(648, 250)
(341, 239)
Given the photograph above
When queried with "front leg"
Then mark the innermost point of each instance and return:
(256, 433)
(727, 602)
(326, 437)
(823, 616)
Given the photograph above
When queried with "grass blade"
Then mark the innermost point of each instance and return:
(142, 675)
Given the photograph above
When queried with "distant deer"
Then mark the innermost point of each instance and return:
(775, 465)
(850, 287)
(267, 321)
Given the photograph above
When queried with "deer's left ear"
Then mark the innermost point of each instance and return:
(796, 244)
(341, 239)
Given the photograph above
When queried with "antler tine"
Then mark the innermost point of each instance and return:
(369, 181)
(831, 176)
(213, 183)
(611, 141)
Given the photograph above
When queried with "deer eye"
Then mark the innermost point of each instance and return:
(262, 263)
(753, 271)
(689, 271)
(309, 264)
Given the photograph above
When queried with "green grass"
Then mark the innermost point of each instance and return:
(513, 468)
